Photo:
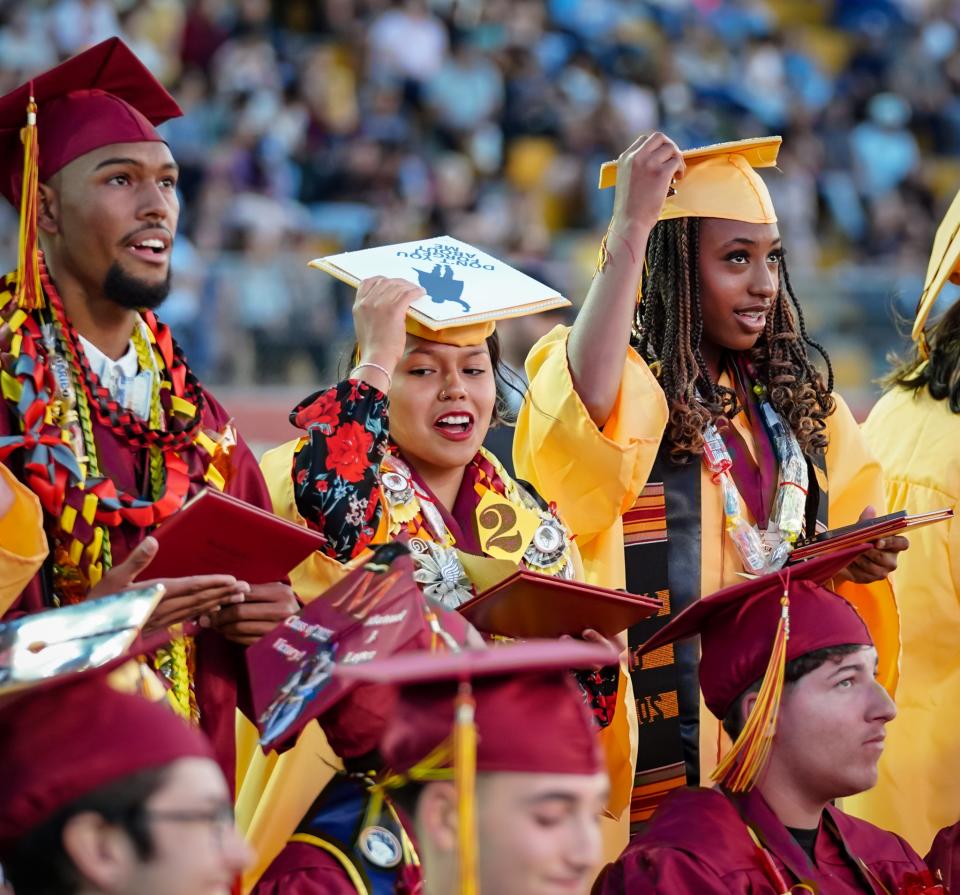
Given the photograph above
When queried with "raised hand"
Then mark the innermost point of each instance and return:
(645, 173)
(379, 315)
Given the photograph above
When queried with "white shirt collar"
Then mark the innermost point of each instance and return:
(106, 368)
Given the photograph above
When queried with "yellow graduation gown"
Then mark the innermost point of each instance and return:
(23, 544)
(274, 792)
(595, 475)
(916, 438)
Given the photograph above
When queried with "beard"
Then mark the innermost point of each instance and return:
(129, 292)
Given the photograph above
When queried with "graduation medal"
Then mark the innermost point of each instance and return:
(380, 847)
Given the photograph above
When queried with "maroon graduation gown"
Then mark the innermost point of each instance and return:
(304, 869)
(219, 663)
(698, 842)
(944, 855)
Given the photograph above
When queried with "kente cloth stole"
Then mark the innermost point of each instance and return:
(662, 538)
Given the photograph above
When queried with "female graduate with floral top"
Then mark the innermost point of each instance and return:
(703, 441)
(395, 452)
(412, 466)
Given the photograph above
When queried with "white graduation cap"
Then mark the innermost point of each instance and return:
(467, 289)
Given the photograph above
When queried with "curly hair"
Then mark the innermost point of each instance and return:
(668, 332)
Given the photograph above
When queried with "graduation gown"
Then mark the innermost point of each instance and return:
(918, 791)
(220, 668)
(699, 842)
(944, 855)
(599, 476)
(23, 544)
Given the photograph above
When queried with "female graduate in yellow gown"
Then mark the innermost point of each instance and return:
(688, 437)
(395, 452)
(914, 429)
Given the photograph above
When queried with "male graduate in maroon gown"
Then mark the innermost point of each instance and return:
(789, 667)
(132, 804)
(100, 414)
(512, 717)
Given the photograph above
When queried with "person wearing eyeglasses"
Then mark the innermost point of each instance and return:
(106, 793)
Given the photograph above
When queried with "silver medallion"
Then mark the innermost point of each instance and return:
(547, 538)
(380, 847)
(394, 482)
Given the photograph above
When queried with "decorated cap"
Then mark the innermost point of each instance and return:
(748, 632)
(102, 96)
(503, 709)
(61, 742)
(467, 290)
(720, 182)
(376, 611)
(944, 265)
(40, 648)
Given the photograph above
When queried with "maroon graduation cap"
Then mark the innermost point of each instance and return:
(378, 610)
(102, 96)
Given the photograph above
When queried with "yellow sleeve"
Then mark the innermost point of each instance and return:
(317, 572)
(855, 474)
(594, 474)
(23, 543)
(856, 482)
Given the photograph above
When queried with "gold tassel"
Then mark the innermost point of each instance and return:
(743, 764)
(29, 292)
(465, 778)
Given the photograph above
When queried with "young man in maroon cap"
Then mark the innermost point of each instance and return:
(102, 418)
(531, 824)
(789, 667)
(134, 804)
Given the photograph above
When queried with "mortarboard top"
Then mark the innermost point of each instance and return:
(944, 265)
(376, 611)
(79, 728)
(720, 182)
(102, 96)
(748, 632)
(530, 716)
(467, 289)
(38, 650)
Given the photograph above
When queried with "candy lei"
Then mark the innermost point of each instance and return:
(47, 378)
(766, 551)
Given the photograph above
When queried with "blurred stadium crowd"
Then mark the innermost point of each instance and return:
(318, 125)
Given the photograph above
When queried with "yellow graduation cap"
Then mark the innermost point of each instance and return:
(944, 265)
(721, 182)
(461, 336)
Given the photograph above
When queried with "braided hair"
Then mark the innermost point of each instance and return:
(668, 332)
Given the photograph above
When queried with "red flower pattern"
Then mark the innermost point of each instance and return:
(347, 450)
(324, 412)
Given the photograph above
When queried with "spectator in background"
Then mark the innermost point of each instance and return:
(393, 119)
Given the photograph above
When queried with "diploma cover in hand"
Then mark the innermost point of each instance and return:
(216, 534)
